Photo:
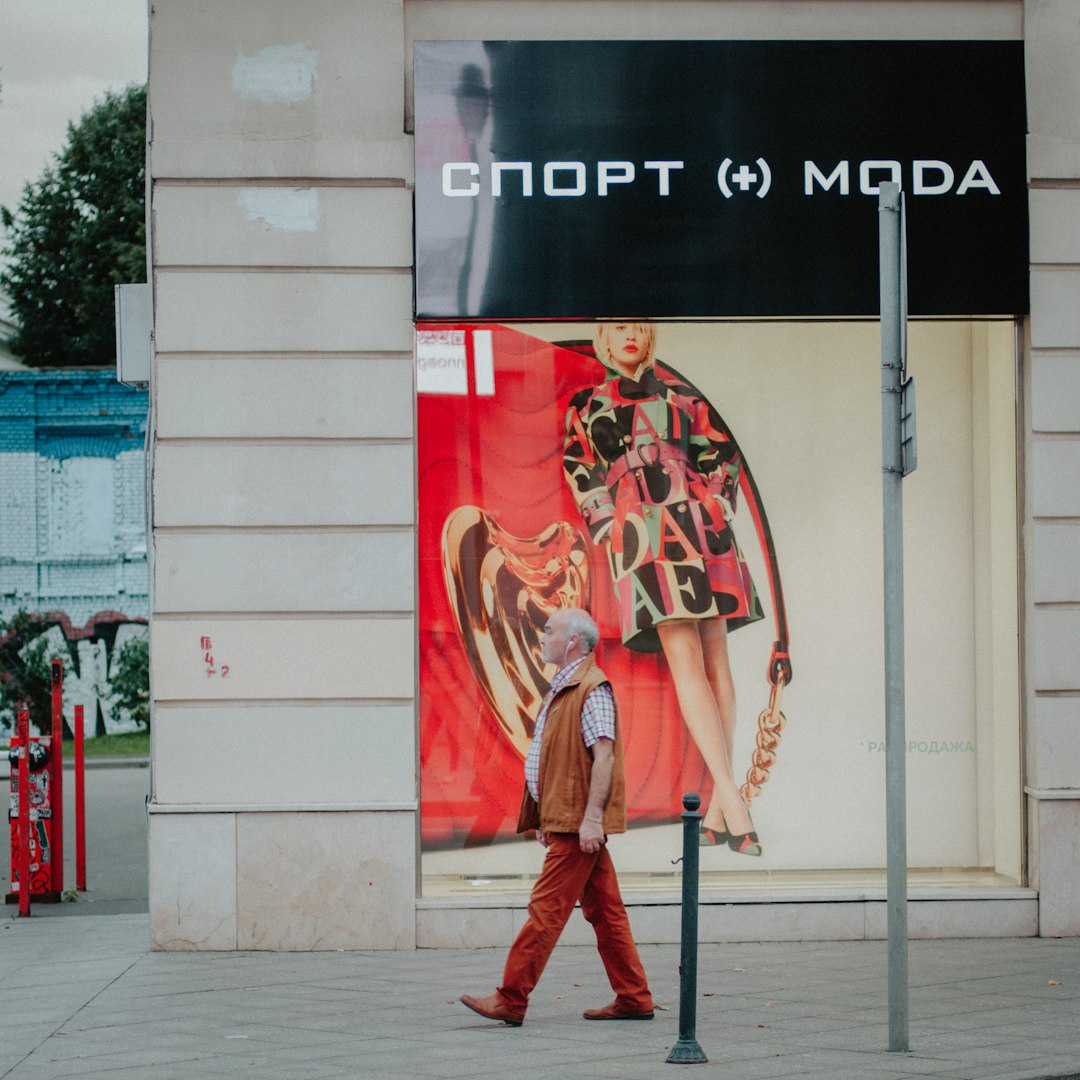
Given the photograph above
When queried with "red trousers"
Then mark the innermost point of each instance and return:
(570, 875)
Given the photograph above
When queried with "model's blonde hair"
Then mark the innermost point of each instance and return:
(648, 333)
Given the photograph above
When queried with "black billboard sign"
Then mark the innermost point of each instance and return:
(577, 180)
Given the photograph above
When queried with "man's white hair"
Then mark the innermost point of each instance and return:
(579, 622)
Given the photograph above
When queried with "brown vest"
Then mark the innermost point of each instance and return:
(566, 764)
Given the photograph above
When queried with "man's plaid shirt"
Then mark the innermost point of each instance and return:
(597, 722)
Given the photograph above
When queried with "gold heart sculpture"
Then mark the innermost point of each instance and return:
(502, 589)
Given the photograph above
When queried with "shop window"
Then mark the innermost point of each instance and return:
(501, 537)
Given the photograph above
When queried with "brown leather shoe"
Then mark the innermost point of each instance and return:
(615, 1011)
(493, 1008)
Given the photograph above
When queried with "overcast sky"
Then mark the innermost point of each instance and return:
(56, 58)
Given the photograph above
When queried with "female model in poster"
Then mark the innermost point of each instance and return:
(654, 472)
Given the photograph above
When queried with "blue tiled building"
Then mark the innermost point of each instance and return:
(73, 511)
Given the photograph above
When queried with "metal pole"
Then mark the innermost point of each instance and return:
(80, 803)
(56, 778)
(687, 1051)
(23, 788)
(892, 330)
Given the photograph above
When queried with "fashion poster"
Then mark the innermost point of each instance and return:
(735, 482)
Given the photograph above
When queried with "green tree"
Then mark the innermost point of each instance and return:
(130, 680)
(78, 231)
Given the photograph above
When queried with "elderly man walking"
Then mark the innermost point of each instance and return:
(575, 796)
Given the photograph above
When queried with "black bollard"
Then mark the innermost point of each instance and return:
(687, 1051)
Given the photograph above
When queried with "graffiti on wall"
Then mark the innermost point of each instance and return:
(89, 654)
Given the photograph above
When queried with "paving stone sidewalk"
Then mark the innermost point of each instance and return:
(84, 997)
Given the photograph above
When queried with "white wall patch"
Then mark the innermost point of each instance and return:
(277, 75)
(289, 209)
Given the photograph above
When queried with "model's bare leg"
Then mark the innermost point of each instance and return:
(685, 655)
(718, 669)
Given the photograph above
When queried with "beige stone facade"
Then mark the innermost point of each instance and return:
(284, 812)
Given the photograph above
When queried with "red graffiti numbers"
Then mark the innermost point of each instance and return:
(206, 646)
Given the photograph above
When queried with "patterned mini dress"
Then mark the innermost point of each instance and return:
(652, 466)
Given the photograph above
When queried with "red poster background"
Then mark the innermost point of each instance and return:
(503, 453)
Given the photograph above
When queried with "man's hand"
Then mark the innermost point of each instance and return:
(591, 836)
(543, 837)
(591, 830)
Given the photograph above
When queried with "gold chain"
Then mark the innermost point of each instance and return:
(770, 724)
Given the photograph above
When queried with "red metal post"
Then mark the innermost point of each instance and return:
(80, 803)
(56, 778)
(23, 728)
